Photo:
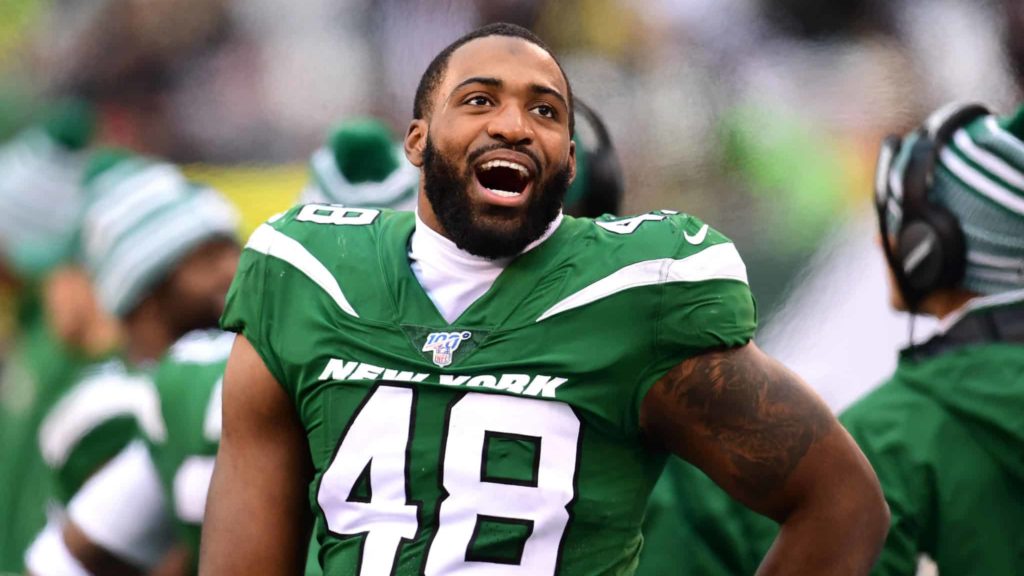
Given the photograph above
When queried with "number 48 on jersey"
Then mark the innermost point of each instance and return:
(374, 451)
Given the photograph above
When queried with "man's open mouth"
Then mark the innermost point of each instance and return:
(503, 177)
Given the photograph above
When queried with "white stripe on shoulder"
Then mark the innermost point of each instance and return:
(717, 262)
(203, 347)
(92, 403)
(984, 186)
(267, 240)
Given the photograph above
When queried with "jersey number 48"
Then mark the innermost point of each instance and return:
(376, 445)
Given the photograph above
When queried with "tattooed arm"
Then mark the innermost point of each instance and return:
(759, 432)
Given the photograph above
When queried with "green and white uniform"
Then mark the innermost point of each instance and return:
(36, 373)
(945, 435)
(155, 490)
(93, 421)
(507, 441)
(188, 383)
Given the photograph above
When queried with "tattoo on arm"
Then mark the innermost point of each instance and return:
(751, 409)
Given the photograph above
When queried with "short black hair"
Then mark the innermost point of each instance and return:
(431, 79)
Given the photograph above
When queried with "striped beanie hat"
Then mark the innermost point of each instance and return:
(140, 219)
(362, 166)
(40, 170)
(979, 178)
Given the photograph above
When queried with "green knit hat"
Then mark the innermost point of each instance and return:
(40, 169)
(141, 218)
(360, 165)
(980, 179)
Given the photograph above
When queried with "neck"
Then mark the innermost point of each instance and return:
(425, 213)
(148, 334)
(944, 302)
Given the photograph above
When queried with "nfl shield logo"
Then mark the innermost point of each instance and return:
(444, 344)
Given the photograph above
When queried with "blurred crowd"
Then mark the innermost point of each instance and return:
(762, 116)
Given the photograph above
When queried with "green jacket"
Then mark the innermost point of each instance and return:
(946, 436)
(37, 372)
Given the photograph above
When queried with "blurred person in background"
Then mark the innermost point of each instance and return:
(170, 466)
(59, 326)
(945, 433)
(160, 252)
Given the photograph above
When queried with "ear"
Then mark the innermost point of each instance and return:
(572, 161)
(416, 142)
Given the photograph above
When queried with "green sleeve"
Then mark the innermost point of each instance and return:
(706, 315)
(706, 303)
(907, 484)
(248, 307)
(92, 422)
(94, 450)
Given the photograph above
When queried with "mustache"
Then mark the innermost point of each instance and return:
(476, 154)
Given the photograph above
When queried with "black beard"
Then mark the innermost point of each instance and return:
(448, 192)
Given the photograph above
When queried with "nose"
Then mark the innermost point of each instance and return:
(510, 126)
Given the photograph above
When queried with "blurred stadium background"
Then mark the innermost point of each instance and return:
(761, 116)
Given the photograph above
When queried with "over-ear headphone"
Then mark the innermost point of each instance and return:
(927, 252)
(603, 180)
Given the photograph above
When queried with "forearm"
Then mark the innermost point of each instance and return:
(837, 528)
(761, 434)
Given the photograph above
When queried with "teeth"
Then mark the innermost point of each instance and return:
(504, 193)
(506, 164)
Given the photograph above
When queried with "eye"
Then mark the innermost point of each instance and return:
(477, 100)
(546, 111)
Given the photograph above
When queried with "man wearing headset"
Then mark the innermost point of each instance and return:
(946, 432)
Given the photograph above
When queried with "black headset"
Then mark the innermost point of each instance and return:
(927, 252)
(604, 186)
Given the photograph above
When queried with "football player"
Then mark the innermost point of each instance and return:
(54, 336)
(160, 251)
(489, 386)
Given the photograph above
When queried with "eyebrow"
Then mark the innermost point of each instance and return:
(498, 83)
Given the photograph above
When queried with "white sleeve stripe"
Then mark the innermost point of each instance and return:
(267, 240)
(123, 508)
(717, 262)
(93, 403)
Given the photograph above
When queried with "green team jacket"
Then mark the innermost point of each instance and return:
(945, 435)
(37, 372)
(506, 441)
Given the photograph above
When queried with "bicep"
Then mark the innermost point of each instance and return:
(257, 513)
(747, 422)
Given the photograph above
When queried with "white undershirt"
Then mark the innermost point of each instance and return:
(452, 277)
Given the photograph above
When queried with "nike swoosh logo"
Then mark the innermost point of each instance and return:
(697, 238)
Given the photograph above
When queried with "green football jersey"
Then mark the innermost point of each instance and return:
(507, 441)
(96, 418)
(183, 448)
(33, 377)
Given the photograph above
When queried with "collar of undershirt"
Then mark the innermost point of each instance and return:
(429, 247)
